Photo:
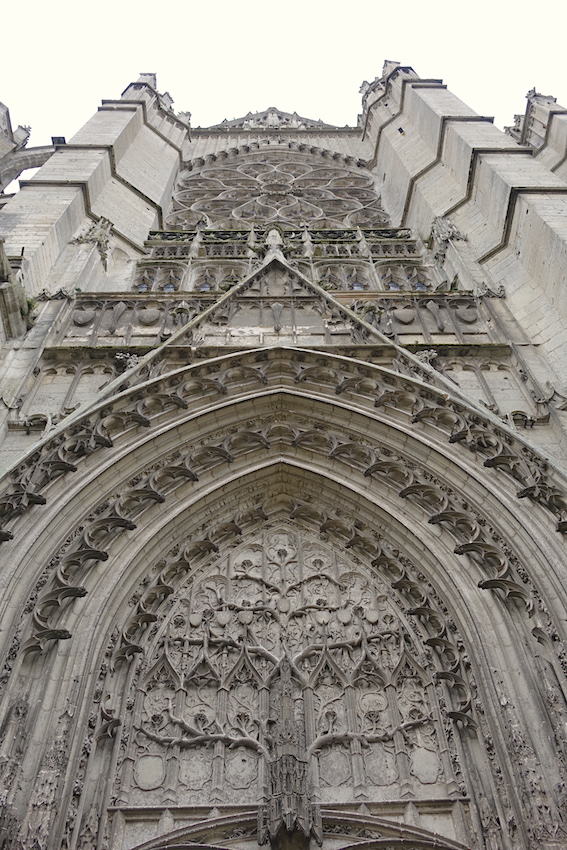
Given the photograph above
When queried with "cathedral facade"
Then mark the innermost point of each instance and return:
(283, 515)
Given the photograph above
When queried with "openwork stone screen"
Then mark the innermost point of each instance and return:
(283, 656)
(277, 188)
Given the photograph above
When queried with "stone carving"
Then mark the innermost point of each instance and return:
(196, 580)
(12, 750)
(132, 321)
(98, 234)
(216, 278)
(443, 232)
(544, 818)
(162, 277)
(503, 575)
(499, 571)
(284, 666)
(338, 276)
(6, 272)
(59, 456)
(420, 319)
(490, 824)
(451, 420)
(250, 314)
(396, 278)
(35, 829)
(319, 642)
(272, 118)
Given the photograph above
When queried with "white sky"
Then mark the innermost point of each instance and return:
(220, 59)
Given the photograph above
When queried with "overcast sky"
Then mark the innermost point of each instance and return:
(220, 59)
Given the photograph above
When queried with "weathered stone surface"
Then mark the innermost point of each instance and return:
(282, 545)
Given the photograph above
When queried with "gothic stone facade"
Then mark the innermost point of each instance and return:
(284, 509)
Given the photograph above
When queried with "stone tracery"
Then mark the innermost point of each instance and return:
(370, 721)
(311, 636)
(286, 656)
(277, 188)
(209, 578)
(358, 544)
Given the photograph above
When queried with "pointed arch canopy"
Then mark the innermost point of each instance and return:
(401, 423)
(379, 832)
(382, 481)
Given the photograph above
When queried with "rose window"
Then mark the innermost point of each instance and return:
(277, 189)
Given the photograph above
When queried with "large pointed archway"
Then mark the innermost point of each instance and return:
(272, 593)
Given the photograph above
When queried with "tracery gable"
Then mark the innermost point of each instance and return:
(277, 304)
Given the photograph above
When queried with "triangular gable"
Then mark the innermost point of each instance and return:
(273, 118)
(277, 305)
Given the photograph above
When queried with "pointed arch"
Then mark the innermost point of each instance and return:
(361, 829)
(261, 439)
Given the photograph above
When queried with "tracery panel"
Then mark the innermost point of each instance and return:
(285, 673)
(280, 188)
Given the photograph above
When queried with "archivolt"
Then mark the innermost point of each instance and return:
(231, 394)
(425, 412)
(205, 458)
(146, 571)
(365, 831)
(191, 465)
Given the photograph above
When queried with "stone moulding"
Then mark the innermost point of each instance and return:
(335, 446)
(368, 831)
(280, 436)
(391, 396)
(181, 570)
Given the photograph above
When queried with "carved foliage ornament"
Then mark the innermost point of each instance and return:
(196, 386)
(195, 607)
(499, 570)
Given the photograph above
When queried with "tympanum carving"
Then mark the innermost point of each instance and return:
(286, 673)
